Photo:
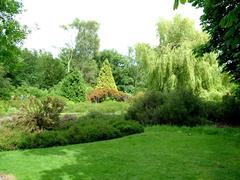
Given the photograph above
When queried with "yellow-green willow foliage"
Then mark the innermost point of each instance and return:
(172, 65)
(179, 69)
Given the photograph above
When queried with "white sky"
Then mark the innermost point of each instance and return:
(123, 23)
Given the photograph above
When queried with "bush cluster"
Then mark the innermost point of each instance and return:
(182, 107)
(101, 94)
(178, 107)
(225, 112)
(38, 114)
(86, 131)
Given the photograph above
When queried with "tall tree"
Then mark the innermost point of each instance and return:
(80, 54)
(122, 68)
(11, 35)
(220, 20)
(87, 40)
(175, 67)
(49, 70)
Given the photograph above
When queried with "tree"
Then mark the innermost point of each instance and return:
(4, 84)
(11, 36)
(105, 78)
(221, 21)
(80, 54)
(87, 40)
(174, 32)
(176, 3)
(49, 71)
(73, 87)
(169, 67)
(121, 68)
(39, 69)
(27, 72)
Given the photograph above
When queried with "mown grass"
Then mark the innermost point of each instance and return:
(162, 152)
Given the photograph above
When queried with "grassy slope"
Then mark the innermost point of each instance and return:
(160, 152)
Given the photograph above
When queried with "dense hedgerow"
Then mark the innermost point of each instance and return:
(226, 111)
(176, 107)
(182, 107)
(86, 129)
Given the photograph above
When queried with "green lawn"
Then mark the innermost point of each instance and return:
(161, 152)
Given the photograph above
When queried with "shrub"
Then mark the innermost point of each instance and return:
(178, 107)
(101, 94)
(40, 114)
(230, 110)
(26, 91)
(81, 132)
(73, 87)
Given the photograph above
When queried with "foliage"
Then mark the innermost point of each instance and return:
(49, 70)
(112, 107)
(72, 87)
(122, 69)
(79, 54)
(87, 40)
(226, 111)
(89, 70)
(101, 94)
(39, 69)
(221, 21)
(37, 115)
(177, 31)
(105, 77)
(177, 107)
(82, 130)
(81, 134)
(4, 84)
(25, 91)
(11, 36)
(176, 3)
(172, 64)
(28, 71)
(230, 110)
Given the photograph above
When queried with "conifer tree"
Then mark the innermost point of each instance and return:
(105, 78)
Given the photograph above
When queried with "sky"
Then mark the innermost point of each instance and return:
(123, 23)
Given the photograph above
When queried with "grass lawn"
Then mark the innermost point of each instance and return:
(162, 152)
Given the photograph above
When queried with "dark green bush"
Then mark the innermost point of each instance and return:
(230, 110)
(179, 107)
(40, 114)
(226, 111)
(72, 87)
(80, 132)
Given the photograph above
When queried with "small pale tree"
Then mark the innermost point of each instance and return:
(105, 78)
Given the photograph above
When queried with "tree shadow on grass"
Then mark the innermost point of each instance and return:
(75, 162)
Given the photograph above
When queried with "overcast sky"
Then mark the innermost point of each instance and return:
(123, 23)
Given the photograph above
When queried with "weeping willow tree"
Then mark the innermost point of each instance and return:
(172, 65)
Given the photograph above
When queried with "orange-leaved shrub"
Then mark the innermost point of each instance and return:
(101, 94)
